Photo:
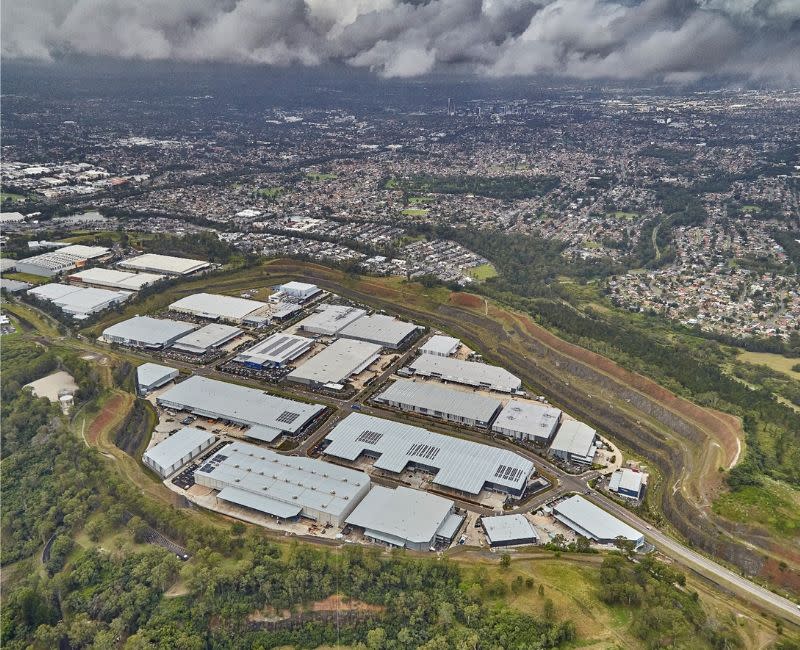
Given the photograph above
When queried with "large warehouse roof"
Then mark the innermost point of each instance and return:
(116, 279)
(444, 400)
(402, 514)
(79, 301)
(528, 418)
(379, 328)
(462, 465)
(209, 336)
(153, 374)
(330, 319)
(336, 363)
(275, 350)
(508, 528)
(219, 399)
(148, 331)
(172, 449)
(294, 482)
(591, 521)
(164, 263)
(470, 373)
(574, 438)
(211, 305)
(84, 252)
(442, 345)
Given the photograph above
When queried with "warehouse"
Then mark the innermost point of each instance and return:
(628, 483)
(285, 487)
(152, 263)
(383, 330)
(267, 415)
(461, 465)
(275, 351)
(575, 442)
(509, 530)
(336, 364)
(174, 452)
(588, 520)
(437, 401)
(329, 320)
(527, 422)
(78, 302)
(147, 332)
(301, 291)
(406, 518)
(227, 308)
(441, 346)
(150, 376)
(64, 259)
(468, 373)
(208, 338)
(115, 279)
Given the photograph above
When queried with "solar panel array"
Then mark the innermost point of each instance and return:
(370, 437)
(423, 451)
(287, 417)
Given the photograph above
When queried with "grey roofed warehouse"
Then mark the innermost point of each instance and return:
(445, 403)
(527, 421)
(593, 522)
(470, 373)
(150, 376)
(164, 264)
(440, 345)
(217, 306)
(275, 350)
(267, 415)
(458, 464)
(147, 332)
(206, 338)
(178, 449)
(574, 442)
(116, 279)
(388, 331)
(509, 530)
(336, 363)
(329, 320)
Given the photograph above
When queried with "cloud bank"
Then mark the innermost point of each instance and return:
(659, 40)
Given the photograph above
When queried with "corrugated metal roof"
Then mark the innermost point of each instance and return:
(116, 279)
(330, 319)
(279, 348)
(440, 344)
(241, 404)
(337, 362)
(438, 398)
(165, 263)
(152, 373)
(217, 306)
(594, 521)
(507, 528)
(626, 479)
(259, 502)
(528, 418)
(149, 331)
(462, 464)
(471, 373)
(408, 514)
(379, 328)
(170, 450)
(208, 336)
(574, 437)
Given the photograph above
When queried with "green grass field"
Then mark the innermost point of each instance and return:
(270, 192)
(751, 209)
(773, 505)
(415, 200)
(26, 277)
(482, 272)
(630, 216)
(415, 212)
(320, 176)
(774, 361)
(11, 196)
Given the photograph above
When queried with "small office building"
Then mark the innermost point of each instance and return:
(172, 453)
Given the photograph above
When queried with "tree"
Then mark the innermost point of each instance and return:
(376, 638)
(505, 560)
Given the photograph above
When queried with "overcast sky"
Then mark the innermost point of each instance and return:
(659, 40)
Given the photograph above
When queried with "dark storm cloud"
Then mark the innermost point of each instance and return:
(679, 40)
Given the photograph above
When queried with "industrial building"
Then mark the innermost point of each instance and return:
(575, 442)
(174, 452)
(334, 365)
(509, 530)
(147, 332)
(78, 302)
(461, 465)
(219, 307)
(267, 416)
(285, 487)
(153, 263)
(329, 320)
(386, 331)
(527, 422)
(208, 338)
(437, 401)
(469, 373)
(115, 279)
(301, 291)
(406, 518)
(441, 346)
(64, 259)
(628, 483)
(593, 522)
(150, 376)
(275, 351)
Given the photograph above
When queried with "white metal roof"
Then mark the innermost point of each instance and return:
(149, 331)
(259, 502)
(279, 348)
(165, 263)
(208, 336)
(84, 252)
(79, 300)
(152, 373)
(170, 450)
(299, 287)
(53, 290)
(575, 438)
(240, 404)
(117, 279)
(330, 319)
(439, 398)
(212, 305)
(408, 514)
(337, 362)
(461, 464)
(440, 344)
(379, 328)
(626, 479)
(508, 528)
(294, 480)
(593, 521)
(470, 373)
(528, 418)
